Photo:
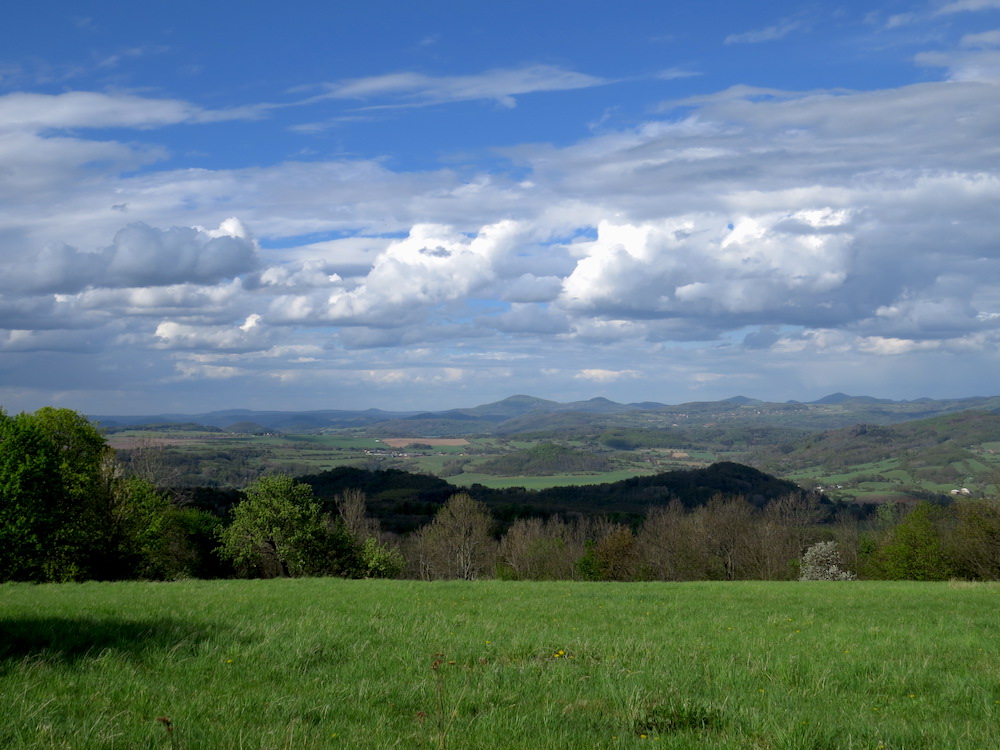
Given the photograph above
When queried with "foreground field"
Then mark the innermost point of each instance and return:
(318, 663)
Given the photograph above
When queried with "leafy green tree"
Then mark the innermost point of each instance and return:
(56, 497)
(380, 560)
(89, 543)
(68, 511)
(278, 531)
(143, 530)
(588, 566)
(81, 448)
(913, 550)
(29, 481)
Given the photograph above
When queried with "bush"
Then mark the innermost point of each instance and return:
(821, 562)
(381, 560)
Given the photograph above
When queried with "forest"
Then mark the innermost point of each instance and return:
(72, 509)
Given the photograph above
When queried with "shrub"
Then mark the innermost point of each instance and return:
(821, 562)
(381, 560)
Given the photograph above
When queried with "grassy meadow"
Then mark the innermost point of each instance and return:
(328, 663)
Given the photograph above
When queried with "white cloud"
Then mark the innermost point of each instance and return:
(768, 34)
(901, 19)
(824, 230)
(434, 264)
(140, 256)
(959, 6)
(893, 346)
(605, 376)
(672, 74)
(964, 65)
(695, 266)
(197, 371)
(983, 40)
(501, 86)
(23, 111)
(250, 336)
(88, 109)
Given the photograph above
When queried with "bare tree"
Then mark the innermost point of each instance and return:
(352, 505)
(458, 543)
(146, 458)
(727, 525)
(673, 545)
(533, 549)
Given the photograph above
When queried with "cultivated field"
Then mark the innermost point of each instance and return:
(432, 442)
(326, 663)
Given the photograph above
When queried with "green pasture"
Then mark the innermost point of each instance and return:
(467, 479)
(327, 663)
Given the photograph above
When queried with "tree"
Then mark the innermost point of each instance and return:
(380, 560)
(29, 481)
(377, 559)
(913, 551)
(974, 542)
(352, 505)
(278, 531)
(821, 562)
(55, 497)
(727, 525)
(458, 543)
(673, 545)
(613, 557)
(533, 549)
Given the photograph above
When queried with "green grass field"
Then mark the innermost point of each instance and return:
(540, 483)
(326, 663)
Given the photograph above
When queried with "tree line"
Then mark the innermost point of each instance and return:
(71, 510)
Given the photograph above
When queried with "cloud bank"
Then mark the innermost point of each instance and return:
(742, 240)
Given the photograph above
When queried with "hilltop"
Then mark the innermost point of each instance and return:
(522, 414)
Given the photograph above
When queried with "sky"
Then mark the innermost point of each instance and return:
(427, 205)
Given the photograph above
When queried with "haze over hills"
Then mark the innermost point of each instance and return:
(523, 413)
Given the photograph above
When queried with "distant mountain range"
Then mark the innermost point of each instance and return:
(519, 414)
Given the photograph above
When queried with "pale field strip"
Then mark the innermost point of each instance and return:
(403, 442)
(133, 441)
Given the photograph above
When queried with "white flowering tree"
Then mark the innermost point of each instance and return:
(821, 562)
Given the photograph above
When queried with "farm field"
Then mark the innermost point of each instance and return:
(328, 663)
(540, 483)
(223, 459)
(866, 463)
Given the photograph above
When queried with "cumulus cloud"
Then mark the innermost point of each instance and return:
(826, 228)
(247, 336)
(765, 265)
(141, 256)
(433, 265)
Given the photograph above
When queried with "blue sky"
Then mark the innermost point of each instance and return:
(311, 205)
